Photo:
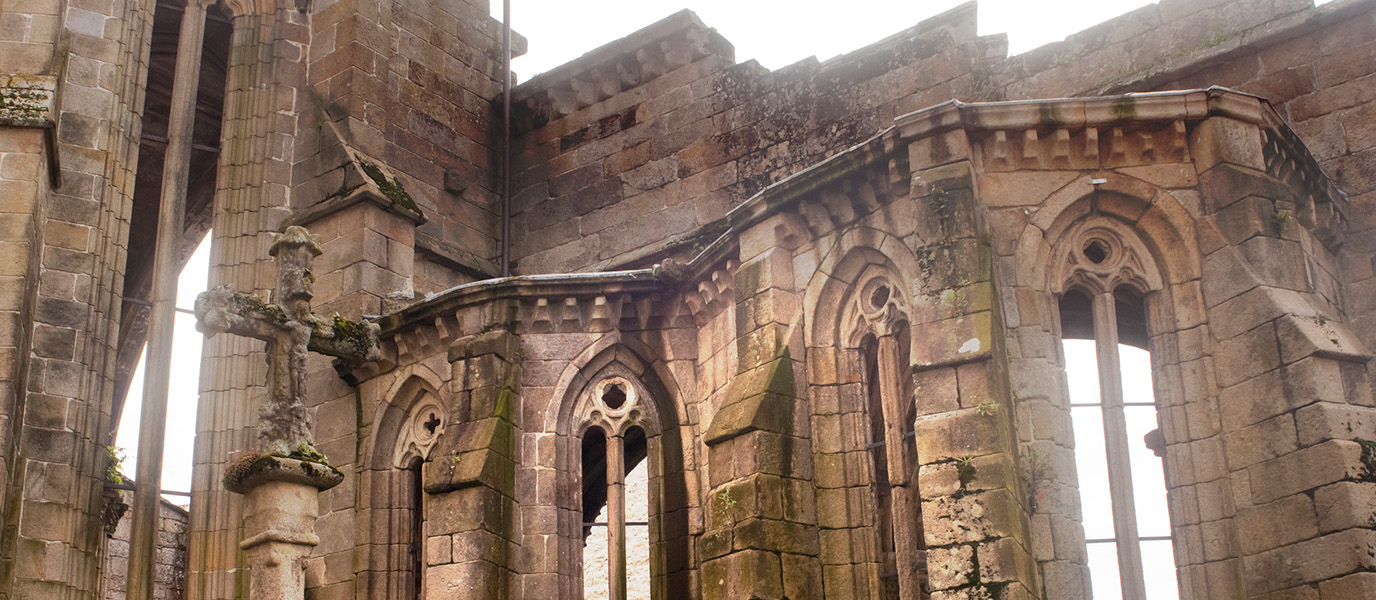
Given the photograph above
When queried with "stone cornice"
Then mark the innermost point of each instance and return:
(556, 301)
(30, 101)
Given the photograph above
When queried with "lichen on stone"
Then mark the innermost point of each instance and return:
(255, 304)
(391, 188)
(1368, 459)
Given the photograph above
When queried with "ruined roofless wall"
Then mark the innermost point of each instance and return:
(628, 152)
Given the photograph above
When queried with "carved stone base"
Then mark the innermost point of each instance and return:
(279, 533)
(281, 505)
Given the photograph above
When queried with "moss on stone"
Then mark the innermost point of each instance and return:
(354, 333)
(255, 304)
(307, 453)
(391, 188)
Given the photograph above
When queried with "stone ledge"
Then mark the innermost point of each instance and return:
(30, 102)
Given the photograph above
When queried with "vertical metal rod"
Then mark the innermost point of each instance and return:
(157, 371)
(506, 138)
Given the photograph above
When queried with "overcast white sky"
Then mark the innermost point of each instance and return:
(776, 34)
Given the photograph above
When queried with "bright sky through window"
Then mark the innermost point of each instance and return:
(1091, 462)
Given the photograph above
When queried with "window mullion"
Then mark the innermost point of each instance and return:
(1116, 447)
(902, 493)
(616, 517)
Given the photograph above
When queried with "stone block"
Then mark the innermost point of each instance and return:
(1225, 184)
(748, 574)
(1323, 558)
(1246, 356)
(1304, 470)
(1275, 524)
(951, 566)
(802, 577)
(955, 340)
(1022, 188)
(1220, 139)
(1356, 585)
(1345, 505)
(957, 434)
(971, 517)
(1303, 333)
(465, 581)
(776, 536)
(1263, 441)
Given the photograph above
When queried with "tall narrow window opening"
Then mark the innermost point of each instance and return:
(615, 502)
(891, 447)
(879, 463)
(595, 546)
(416, 544)
(1118, 445)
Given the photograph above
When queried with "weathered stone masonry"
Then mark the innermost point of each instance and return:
(833, 295)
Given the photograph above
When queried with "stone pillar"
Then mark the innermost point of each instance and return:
(280, 508)
(975, 512)
(906, 495)
(267, 66)
(762, 539)
(470, 477)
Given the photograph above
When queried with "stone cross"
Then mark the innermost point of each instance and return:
(281, 481)
(291, 330)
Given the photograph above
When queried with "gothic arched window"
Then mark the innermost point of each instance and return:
(415, 439)
(879, 317)
(1118, 443)
(615, 495)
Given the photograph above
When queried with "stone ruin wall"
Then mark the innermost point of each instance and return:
(611, 177)
(615, 174)
(411, 85)
(627, 151)
(64, 241)
(169, 571)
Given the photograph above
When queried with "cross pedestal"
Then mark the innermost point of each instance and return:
(282, 478)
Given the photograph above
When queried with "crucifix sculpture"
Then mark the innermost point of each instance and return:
(282, 478)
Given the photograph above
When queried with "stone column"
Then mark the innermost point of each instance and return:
(267, 66)
(280, 508)
(167, 256)
(906, 499)
(616, 515)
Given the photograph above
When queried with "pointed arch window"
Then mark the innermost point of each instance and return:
(615, 496)
(880, 317)
(417, 436)
(1118, 443)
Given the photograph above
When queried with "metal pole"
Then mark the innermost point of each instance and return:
(506, 138)
(157, 371)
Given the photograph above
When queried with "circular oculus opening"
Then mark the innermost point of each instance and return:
(879, 296)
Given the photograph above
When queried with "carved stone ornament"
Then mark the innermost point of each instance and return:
(613, 404)
(1098, 257)
(877, 306)
(420, 431)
